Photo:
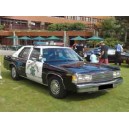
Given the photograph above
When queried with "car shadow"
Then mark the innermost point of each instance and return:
(36, 86)
(71, 96)
(124, 66)
(84, 96)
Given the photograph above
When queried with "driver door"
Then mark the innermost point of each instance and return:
(34, 66)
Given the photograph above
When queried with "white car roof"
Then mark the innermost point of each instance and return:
(32, 46)
(45, 46)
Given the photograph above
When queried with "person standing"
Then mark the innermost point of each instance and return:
(104, 53)
(93, 58)
(119, 49)
(85, 52)
(80, 49)
(74, 47)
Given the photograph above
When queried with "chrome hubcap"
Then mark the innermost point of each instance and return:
(13, 72)
(55, 87)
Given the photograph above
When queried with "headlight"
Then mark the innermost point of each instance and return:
(74, 79)
(80, 78)
(116, 74)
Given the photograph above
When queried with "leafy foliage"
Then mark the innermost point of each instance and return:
(112, 41)
(109, 27)
(52, 27)
(117, 29)
(66, 26)
(1, 27)
(78, 26)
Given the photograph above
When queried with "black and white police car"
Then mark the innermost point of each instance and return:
(61, 69)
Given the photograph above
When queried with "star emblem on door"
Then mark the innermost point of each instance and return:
(32, 71)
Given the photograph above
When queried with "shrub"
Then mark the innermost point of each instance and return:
(66, 26)
(1, 27)
(111, 42)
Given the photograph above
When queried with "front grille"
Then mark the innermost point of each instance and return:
(102, 76)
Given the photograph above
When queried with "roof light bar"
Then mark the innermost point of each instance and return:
(48, 43)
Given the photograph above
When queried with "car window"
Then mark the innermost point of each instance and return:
(61, 54)
(35, 54)
(24, 53)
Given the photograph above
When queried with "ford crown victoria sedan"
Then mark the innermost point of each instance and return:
(61, 69)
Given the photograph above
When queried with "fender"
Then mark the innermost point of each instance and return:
(55, 74)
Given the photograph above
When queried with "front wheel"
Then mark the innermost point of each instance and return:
(56, 88)
(14, 73)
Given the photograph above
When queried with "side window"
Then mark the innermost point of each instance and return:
(35, 54)
(48, 54)
(24, 53)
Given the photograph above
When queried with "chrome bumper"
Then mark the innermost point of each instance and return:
(91, 87)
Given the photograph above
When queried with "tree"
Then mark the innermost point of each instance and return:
(112, 41)
(109, 27)
(117, 27)
(124, 28)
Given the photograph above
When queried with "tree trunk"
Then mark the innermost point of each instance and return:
(125, 37)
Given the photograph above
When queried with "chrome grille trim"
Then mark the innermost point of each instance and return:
(102, 76)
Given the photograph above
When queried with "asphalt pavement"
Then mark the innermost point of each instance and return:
(6, 52)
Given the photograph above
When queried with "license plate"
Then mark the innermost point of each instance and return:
(105, 86)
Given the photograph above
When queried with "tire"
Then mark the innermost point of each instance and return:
(14, 73)
(56, 88)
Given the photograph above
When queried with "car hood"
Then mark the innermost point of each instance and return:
(82, 67)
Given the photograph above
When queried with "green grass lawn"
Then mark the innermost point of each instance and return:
(28, 96)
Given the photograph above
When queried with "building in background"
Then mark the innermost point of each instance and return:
(37, 26)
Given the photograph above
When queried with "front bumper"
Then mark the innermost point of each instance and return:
(91, 87)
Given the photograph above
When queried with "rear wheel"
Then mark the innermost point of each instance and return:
(14, 73)
(56, 87)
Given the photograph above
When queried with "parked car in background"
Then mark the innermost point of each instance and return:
(111, 55)
(97, 51)
(125, 57)
(61, 69)
(14, 47)
(11, 47)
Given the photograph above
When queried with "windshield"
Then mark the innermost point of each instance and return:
(60, 54)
